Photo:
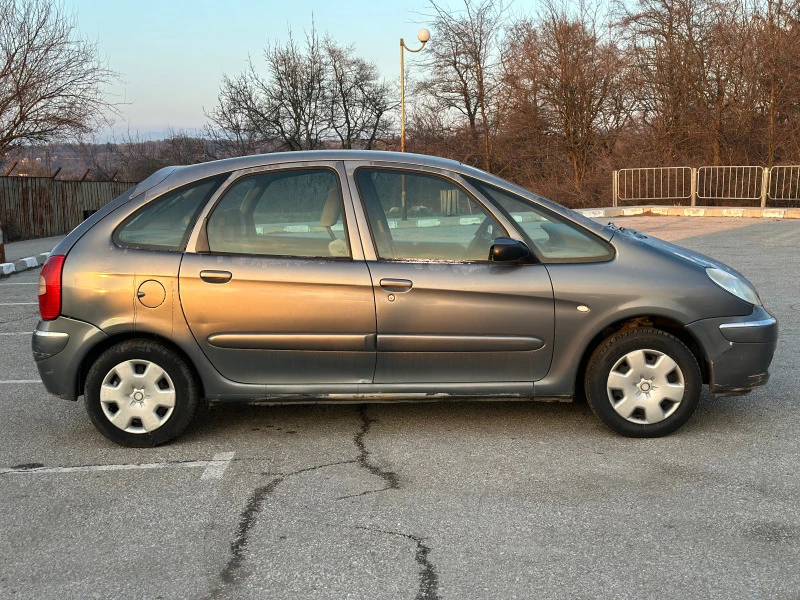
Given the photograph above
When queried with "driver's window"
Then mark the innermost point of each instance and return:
(416, 216)
(556, 239)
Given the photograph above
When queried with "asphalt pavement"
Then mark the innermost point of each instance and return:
(450, 500)
(17, 250)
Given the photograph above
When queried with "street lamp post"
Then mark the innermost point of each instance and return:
(423, 36)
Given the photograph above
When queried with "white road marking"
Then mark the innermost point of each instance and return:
(216, 468)
(13, 381)
(18, 333)
(20, 283)
(19, 304)
(213, 468)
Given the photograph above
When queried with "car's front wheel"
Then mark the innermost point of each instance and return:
(643, 382)
(141, 393)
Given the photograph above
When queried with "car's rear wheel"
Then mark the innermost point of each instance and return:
(643, 382)
(141, 393)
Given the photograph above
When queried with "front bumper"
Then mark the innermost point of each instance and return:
(59, 348)
(738, 350)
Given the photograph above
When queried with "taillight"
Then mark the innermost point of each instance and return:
(50, 287)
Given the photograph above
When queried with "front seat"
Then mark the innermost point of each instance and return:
(330, 216)
(226, 230)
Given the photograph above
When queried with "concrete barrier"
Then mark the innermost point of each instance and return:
(23, 264)
(691, 211)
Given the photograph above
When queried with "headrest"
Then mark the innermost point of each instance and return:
(332, 210)
(230, 219)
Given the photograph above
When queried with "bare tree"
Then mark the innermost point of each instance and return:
(294, 95)
(134, 158)
(310, 96)
(358, 102)
(695, 63)
(286, 107)
(723, 61)
(526, 144)
(777, 36)
(581, 78)
(51, 80)
(656, 33)
(234, 129)
(464, 74)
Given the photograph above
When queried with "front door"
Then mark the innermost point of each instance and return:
(445, 313)
(272, 292)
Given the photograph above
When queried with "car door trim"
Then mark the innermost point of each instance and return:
(457, 343)
(311, 342)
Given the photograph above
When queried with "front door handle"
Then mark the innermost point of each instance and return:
(396, 285)
(216, 276)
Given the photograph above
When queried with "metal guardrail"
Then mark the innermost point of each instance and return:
(661, 183)
(735, 183)
(730, 183)
(784, 183)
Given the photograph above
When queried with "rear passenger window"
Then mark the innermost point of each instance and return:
(281, 213)
(164, 223)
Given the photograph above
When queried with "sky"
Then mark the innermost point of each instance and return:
(171, 54)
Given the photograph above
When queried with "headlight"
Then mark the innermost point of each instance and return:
(734, 285)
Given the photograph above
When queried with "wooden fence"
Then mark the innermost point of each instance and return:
(33, 207)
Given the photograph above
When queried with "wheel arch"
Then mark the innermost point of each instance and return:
(665, 324)
(115, 339)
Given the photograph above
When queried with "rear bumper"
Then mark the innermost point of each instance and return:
(59, 348)
(738, 350)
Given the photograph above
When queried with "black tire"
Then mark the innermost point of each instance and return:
(629, 386)
(152, 376)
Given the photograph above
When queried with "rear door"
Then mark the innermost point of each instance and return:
(275, 289)
(445, 313)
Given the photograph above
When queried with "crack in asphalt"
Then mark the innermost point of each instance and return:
(27, 466)
(247, 520)
(428, 577)
(428, 589)
(389, 477)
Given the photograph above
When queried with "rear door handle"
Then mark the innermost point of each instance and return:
(216, 276)
(396, 285)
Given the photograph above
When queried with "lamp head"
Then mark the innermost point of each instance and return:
(423, 35)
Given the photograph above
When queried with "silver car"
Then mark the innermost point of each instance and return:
(350, 275)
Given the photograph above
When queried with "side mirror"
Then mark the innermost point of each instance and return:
(507, 250)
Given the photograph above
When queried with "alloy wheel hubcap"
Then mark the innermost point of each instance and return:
(645, 386)
(137, 396)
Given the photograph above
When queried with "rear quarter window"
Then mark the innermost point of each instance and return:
(165, 222)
